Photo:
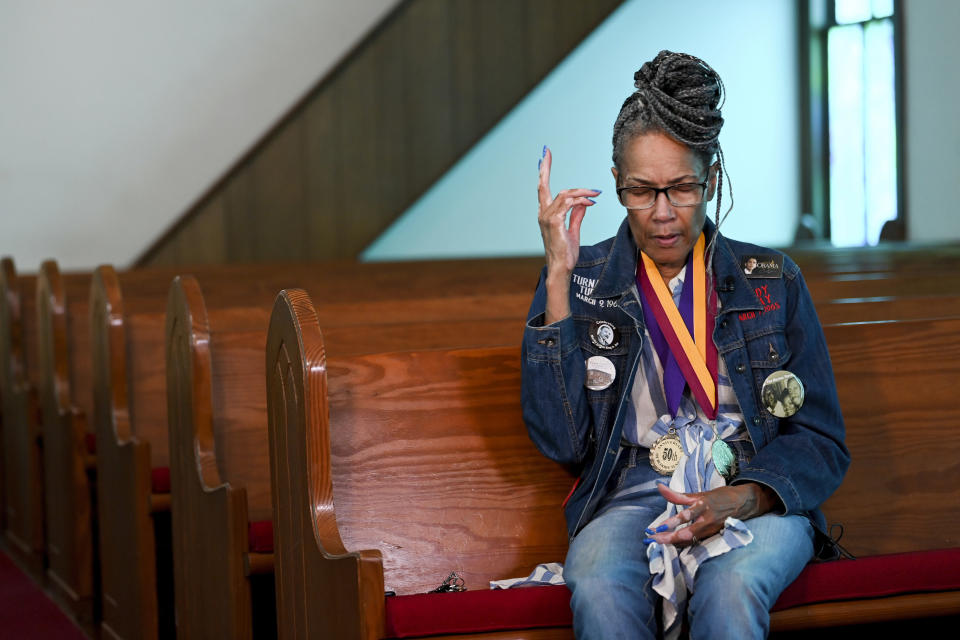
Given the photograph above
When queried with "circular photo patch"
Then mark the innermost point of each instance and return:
(782, 394)
(600, 373)
(604, 335)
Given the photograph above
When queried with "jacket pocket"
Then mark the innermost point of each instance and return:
(768, 351)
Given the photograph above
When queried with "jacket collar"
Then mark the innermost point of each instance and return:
(619, 271)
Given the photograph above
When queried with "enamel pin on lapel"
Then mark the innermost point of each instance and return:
(762, 266)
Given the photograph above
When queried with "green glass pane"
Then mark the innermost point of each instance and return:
(846, 119)
(880, 148)
(882, 8)
(850, 11)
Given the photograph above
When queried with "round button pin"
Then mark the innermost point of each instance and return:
(782, 394)
(604, 335)
(600, 373)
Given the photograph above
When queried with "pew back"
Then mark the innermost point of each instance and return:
(430, 463)
(896, 386)
(22, 452)
(64, 363)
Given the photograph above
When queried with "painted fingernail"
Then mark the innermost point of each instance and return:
(544, 153)
(597, 190)
(648, 540)
(539, 162)
(662, 528)
(592, 200)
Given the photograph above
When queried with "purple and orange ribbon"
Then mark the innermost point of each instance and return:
(682, 336)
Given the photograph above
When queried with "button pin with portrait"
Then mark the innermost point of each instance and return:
(782, 394)
(604, 335)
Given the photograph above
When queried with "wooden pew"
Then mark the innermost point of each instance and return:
(869, 285)
(887, 308)
(894, 257)
(130, 406)
(22, 444)
(63, 331)
(217, 412)
(340, 536)
(895, 381)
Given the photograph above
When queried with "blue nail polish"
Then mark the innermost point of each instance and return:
(592, 200)
(544, 153)
(597, 190)
(649, 531)
(648, 540)
(662, 528)
(539, 162)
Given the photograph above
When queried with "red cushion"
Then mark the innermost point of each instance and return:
(90, 441)
(549, 606)
(160, 480)
(261, 536)
(874, 577)
(475, 611)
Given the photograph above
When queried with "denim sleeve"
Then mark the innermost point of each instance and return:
(806, 459)
(555, 407)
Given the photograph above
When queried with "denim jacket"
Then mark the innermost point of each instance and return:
(763, 325)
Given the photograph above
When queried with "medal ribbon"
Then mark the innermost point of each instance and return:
(681, 336)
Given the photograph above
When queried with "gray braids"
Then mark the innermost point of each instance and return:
(681, 96)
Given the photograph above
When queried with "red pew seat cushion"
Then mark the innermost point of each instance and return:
(874, 577)
(549, 606)
(160, 480)
(260, 535)
(478, 611)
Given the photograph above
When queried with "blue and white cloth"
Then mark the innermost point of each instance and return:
(549, 573)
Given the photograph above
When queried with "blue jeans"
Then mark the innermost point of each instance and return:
(607, 573)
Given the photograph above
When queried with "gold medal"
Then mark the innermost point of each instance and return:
(665, 453)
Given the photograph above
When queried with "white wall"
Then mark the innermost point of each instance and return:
(486, 204)
(116, 115)
(932, 125)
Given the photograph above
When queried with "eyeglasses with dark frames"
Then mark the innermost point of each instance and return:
(685, 194)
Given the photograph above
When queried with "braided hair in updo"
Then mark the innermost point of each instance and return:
(679, 95)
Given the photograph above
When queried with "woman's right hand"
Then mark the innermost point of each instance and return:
(561, 241)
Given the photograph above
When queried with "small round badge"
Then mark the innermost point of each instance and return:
(724, 459)
(782, 394)
(604, 335)
(600, 373)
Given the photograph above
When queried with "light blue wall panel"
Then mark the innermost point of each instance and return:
(486, 204)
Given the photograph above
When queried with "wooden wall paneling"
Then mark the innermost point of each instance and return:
(391, 174)
(278, 196)
(541, 32)
(325, 202)
(466, 90)
(428, 88)
(503, 75)
(356, 104)
(238, 201)
(207, 234)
